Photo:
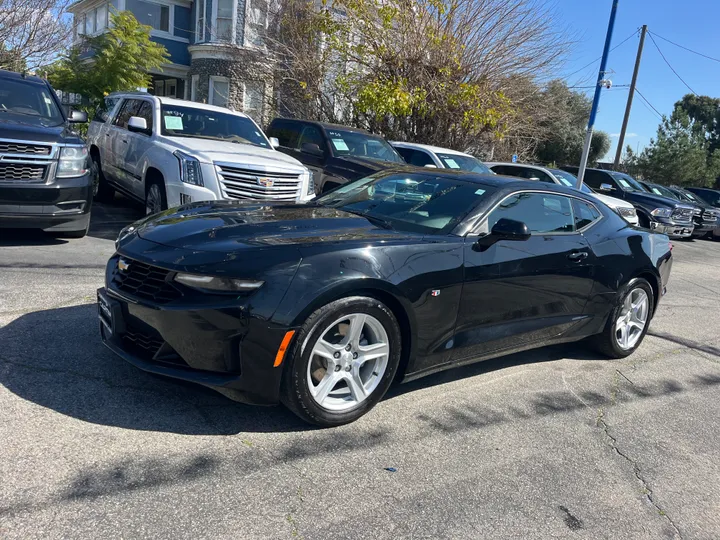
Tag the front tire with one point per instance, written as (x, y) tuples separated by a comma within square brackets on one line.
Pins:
[(155, 198), (343, 360), (102, 191), (628, 322)]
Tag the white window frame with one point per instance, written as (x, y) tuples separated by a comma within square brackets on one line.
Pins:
[(248, 5), (200, 30), (233, 29), (171, 21), (211, 91), (194, 87), (262, 98)]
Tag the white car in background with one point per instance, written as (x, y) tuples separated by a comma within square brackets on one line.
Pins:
[(423, 155), (564, 178), (166, 152)]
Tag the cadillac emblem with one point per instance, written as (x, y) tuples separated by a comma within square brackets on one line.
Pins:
[(265, 182)]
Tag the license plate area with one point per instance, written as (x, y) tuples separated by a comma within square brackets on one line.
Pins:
[(110, 314)]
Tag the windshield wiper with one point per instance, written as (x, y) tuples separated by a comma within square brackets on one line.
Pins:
[(384, 223)]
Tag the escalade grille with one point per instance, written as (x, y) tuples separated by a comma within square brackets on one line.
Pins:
[(239, 183), (683, 214), (9, 147), (143, 281), (21, 172)]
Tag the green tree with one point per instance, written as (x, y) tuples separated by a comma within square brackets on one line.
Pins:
[(119, 59)]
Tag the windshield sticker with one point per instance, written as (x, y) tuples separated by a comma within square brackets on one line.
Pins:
[(623, 182), (479, 192), (656, 191), (340, 145), (452, 164), (174, 122)]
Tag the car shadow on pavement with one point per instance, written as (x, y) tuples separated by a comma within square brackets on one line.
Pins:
[(108, 219), (55, 358), (28, 237)]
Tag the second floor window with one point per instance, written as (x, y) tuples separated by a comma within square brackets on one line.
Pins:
[(224, 20), (256, 23), (200, 27), (155, 15)]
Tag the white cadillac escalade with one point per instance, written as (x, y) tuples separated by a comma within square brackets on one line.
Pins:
[(165, 152)]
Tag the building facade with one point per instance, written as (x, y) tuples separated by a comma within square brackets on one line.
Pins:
[(217, 48)]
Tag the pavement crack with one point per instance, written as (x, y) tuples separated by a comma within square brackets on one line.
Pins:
[(646, 490)]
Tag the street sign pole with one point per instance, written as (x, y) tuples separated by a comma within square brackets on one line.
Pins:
[(596, 98)]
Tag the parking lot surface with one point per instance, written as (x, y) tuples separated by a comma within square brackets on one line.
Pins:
[(556, 442)]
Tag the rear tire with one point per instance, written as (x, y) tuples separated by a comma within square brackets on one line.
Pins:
[(342, 361), (103, 192), (624, 320)]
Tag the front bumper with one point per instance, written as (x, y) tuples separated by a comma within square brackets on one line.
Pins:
[(672, 229), (705, 227), (63, 205), (218, 346)]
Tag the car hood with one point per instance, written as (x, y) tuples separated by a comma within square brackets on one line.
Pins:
[(612, 202), (12, 127), (232, 225), (211, 151), (650, 198)]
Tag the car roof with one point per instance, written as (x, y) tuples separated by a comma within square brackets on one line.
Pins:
[(178, 102), (324, 125), (526, 165), (5, 74), (435, 149)]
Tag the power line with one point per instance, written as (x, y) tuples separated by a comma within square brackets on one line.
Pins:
[(660, 115), (600, 57), (672, 68), (593, 86), (686, 48)]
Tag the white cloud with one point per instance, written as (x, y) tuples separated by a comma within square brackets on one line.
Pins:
[(627, 135)]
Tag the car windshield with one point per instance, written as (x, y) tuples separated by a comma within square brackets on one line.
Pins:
[(663, 191), (569, 180), (364, 145), (689, 197), (415, 202), (464, 163), (29, 103), (178, 121), (628, 183)]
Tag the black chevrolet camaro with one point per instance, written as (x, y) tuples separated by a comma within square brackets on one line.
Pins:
[(392, 277)]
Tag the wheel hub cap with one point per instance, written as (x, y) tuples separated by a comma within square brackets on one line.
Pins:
[(633, 318)]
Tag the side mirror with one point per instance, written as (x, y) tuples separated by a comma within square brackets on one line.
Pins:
[(430, 166), (274, 142), (504, 229), (311, 149), (606, 187), (536, 178), (137, 125), (78, 117)]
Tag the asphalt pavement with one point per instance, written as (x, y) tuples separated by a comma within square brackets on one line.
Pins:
[(553, 443)]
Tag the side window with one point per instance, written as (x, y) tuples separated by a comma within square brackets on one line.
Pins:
[(419, 158), (530, 174), (129, 108), (541, 212), (146, 111), (312, 135), (406, 153), (287, 133), (585, 213), (502, 170), (595, 178)]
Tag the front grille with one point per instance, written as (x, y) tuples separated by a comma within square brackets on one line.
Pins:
[(10, 147), (240, 183), (146, 344), (709, 216), (683, 214), (146, 282), (21, 172)]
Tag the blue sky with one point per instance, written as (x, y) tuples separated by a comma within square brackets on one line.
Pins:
[(691, 23)]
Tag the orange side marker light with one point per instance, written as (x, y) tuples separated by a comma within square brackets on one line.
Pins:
[(280, 356)]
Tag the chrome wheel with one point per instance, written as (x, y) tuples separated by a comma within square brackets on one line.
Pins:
[(633, 317), (153, 200), (348, 361)]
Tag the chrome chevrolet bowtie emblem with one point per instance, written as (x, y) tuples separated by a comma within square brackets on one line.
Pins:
[(265, 182), (123, 265)]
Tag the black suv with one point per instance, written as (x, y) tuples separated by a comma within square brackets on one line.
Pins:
[(335, 154), (45, 181), (711, 197), (660, 214)]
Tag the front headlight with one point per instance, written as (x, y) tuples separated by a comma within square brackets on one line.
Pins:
[(212, 283), (124, 233), (627, 212), (190, 171), (311, 183), (662, 212), (73, 162)]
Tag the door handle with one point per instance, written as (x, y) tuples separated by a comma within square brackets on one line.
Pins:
[(578, 255), (107, 134), (124, 140)]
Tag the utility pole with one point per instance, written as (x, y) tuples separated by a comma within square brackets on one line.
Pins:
[(596, 99), (621, 141)]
